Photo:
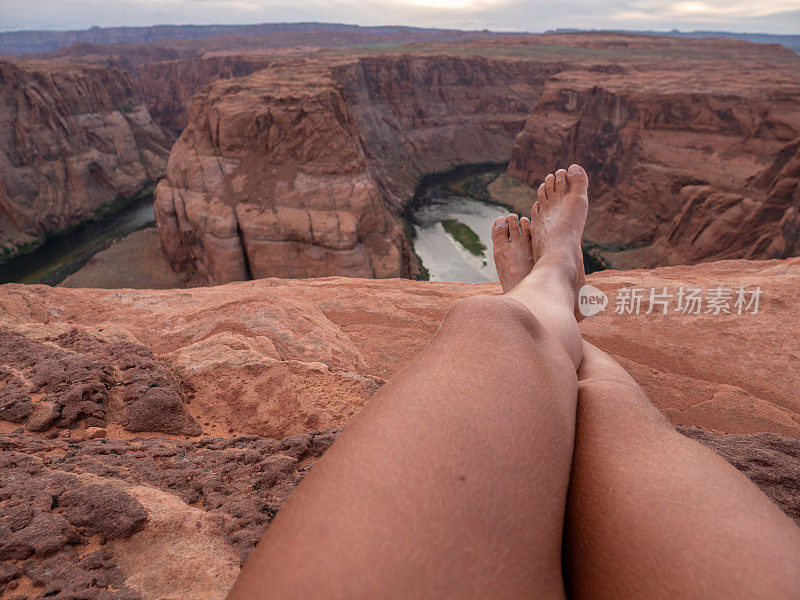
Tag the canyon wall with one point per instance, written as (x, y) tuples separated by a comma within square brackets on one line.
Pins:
[(420, 115), (690, 158), (73, 138), (683, 168), (300, 170), (168, 86)]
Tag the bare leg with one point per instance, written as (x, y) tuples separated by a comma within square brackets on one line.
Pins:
[(451, 483), (556, 227), (653, 514)]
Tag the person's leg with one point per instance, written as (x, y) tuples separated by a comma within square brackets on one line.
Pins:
[(654, 514), (451, 482), (556, 227)]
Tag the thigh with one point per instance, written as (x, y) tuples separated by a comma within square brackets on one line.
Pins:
[(451, 483)]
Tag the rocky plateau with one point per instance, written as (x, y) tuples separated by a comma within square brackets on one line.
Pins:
[(148, 437)]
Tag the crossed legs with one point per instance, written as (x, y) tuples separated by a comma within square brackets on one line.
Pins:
[(458, 478), (452, 481)]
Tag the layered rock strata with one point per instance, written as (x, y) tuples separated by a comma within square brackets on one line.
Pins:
[(684, 169), (74, 138), (300, 170)]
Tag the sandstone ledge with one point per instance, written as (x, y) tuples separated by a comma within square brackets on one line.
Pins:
[(268, 371), (278, 357)]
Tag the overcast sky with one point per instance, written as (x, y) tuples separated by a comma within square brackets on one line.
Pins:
[(770, 16)]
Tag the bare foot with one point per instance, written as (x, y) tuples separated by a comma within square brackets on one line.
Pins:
[(550, 290), (557, 221), (513, 253)]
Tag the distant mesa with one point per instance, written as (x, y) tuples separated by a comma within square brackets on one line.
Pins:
[(26, 42)]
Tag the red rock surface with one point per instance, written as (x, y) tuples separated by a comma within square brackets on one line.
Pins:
[(269, 370), (73, 137), (278, 357)]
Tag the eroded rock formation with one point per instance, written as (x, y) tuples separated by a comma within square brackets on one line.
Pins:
[(279, 357), (73, 138), (299, 170), (270, 370), (684, 168), (688, 162)]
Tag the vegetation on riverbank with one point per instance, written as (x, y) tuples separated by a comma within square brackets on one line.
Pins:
[(120, 202), (107, 209), (476, 185), (464, 236)]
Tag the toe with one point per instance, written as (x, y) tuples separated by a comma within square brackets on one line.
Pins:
[(536, 207), (578, 180), (550, 186), (513, 226), (541, 195), (500, 233), (525, 229), (561, 182)]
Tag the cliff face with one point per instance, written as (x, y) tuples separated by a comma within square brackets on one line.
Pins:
[(269, 371), (168, 86), (761, 221), (299, 170), (73, 138), (682, 171), (419, 115), (688, 161)]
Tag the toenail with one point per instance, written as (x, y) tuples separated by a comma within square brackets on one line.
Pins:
[(501, 222), (574, 170)]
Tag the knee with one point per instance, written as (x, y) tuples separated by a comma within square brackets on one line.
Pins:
[(493, 316)]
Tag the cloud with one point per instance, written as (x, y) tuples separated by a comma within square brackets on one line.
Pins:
[(718, 9), (770, 16)]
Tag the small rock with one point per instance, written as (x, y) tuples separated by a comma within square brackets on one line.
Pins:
[(103, 509), (9, 572), (43, 416), (93, 433)]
